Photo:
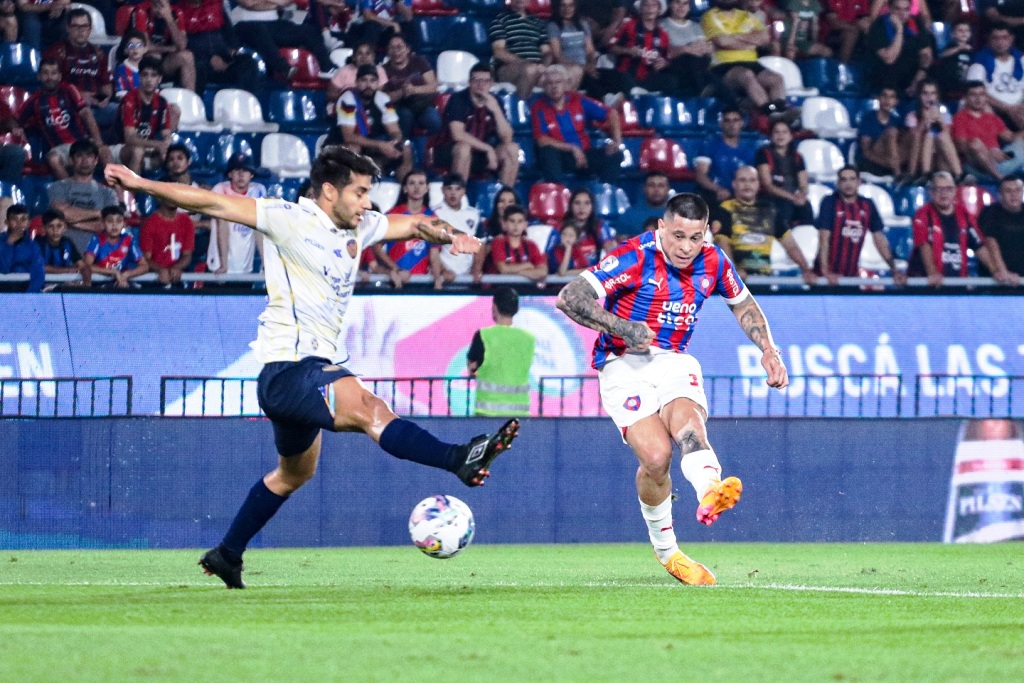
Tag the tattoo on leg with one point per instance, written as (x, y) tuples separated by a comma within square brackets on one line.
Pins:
[(689, 441)]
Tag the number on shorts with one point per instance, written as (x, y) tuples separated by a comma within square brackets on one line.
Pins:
[(694, 382)]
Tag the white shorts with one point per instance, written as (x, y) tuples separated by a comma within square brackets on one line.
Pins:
[(635, 386)]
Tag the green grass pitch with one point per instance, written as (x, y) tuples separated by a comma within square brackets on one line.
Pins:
[(825, 612)]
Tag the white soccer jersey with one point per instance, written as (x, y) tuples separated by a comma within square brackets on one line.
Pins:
[(311, 269), (241, 241), (464, 220)]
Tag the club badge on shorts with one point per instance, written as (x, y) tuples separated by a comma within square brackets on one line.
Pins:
[(632, 403)]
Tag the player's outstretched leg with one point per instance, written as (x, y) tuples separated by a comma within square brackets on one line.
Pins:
[(475, 457), (719, 497)]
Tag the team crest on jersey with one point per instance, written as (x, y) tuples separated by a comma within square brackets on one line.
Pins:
[(705, 285), (609, 264), (353, 248), (632, 403), (315, 344)]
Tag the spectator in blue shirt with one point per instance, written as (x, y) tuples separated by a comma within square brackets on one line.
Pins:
[(18, 253), (878, 138), (60, 255), (720, 156), (656, 195)]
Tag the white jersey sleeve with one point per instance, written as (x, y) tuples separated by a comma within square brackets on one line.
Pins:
[(372, 228)]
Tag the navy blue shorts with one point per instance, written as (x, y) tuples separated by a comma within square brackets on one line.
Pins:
[(292, 394)]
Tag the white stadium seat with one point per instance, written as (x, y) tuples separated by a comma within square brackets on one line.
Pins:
[(886, 208), (823, 160), (285, 155), (870, 259), (791, 76), (340, 55), (815, 193), (539, 234), (99, 26), (453, 69), (827, 117), (385, 194), (806, 237), (193, 111), (241, 112)]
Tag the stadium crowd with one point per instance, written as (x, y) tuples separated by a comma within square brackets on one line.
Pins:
[(553, 130)]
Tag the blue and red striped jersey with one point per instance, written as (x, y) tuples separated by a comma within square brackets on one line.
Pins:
[(639, 284)]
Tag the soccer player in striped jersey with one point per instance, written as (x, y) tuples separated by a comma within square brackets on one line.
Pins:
[(312, 255), (653, 287)]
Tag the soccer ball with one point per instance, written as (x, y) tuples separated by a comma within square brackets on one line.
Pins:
[(441, 526)]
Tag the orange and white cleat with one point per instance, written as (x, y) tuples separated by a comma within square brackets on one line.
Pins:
[(720, 496), (688, 571)]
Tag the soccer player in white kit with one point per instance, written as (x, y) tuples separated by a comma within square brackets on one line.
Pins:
[(312, 260), (653, 287)]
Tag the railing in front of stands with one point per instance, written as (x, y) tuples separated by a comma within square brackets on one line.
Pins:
[(852, 396), (66, 397)]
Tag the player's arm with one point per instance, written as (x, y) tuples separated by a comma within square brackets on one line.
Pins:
[(430, 229), (192, 199), (753, 323), (578, 300)]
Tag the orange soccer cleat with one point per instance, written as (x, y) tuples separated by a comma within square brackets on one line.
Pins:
[(689, 572), (720, 496)]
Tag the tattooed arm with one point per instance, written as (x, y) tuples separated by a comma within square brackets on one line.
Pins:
[(578, 300), (755, 326), (430, 229)]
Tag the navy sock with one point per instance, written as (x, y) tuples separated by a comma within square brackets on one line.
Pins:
[(407, 440), (260, 505)]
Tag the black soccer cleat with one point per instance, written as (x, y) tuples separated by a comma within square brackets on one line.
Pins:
[(214, 563), (481, 451)]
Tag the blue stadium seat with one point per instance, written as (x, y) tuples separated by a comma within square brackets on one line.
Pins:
[(483, 194), (610, 202), (433, 35), (666, 115), (818, 72), (13, 191), (228, 144), (631, 156), (706, 111), (19, 64), (909, 199), (527, 156), (901, 241), (199, 145), (849, 81), (517, 112), (298, 111), (486, 9), (940, 32), (469, 34)]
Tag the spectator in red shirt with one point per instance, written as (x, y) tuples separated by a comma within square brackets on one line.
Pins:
[(984, 142), (642, 48), (164, 27), (512, 253), (848, 21), (85, 66), (567, 256), (145, 121), (215, 47), (168, 241), (60, 115)]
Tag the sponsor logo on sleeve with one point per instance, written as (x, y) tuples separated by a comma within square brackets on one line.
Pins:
[(609, 264)]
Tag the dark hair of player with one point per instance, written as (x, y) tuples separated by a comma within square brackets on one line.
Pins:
[(686, 205), (506, 300), (336, 164)]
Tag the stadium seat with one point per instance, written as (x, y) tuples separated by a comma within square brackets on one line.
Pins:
[(909, 199), (11, 99), (226, 146), (99, 26), (666, 115), (665, 156), (870, 258), (193, 111), (12, 191), (285, 155), (818, 73), (483, 196), (815, 193), (340, 55), (435, 195), (706, 112), (433, 8), (539, 8), (974, 198), (629, 120), (257, 58), (453, 69), (470, 34), (240, 111), (806, 237), (486, 9), (549, 202), (849, 81), (884, 204), (822, 158), (791, 76), (940, 32), (385, 194), (319, 144), (307, 68), (298, 111), (433, 35), (539, 234), (517, 112), (827, 117), (610, 202), (19, 64)]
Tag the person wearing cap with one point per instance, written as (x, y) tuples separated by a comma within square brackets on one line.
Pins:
[(233, 246), (115, 251), (444, 265), (80, 198), (369, 124)]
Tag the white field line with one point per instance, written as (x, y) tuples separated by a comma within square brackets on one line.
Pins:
[(545, 584)]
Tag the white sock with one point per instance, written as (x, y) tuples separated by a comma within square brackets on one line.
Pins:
[(701, 469), (659, 528)]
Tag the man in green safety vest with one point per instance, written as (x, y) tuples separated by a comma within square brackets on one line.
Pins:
[(500, 358)]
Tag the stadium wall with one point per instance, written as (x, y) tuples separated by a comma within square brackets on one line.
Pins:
[(169, 483)]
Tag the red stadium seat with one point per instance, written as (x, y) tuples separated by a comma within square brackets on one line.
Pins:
[(307, 74), (665, 156), (630, 121), (11, 99), (433, 8), (549, 202), (31, 167), (538, 8), (974, 198)]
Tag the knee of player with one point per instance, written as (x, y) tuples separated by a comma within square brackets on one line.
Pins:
[(691, 437), (655, 460)]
